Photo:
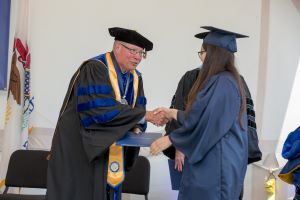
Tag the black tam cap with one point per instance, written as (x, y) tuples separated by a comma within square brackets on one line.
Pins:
[(219, 37), (131, 36)]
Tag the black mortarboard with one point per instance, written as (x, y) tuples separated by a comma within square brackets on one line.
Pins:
[(219, 37), (131, 36)]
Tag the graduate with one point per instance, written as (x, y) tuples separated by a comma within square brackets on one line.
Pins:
[(105, 99), (213, 133), (179, 101)]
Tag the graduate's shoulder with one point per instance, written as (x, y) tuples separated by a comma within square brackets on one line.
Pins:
[(226, 77), (226, 80)]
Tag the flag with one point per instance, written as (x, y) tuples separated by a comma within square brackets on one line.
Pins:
[(19, 100), (4, 38)]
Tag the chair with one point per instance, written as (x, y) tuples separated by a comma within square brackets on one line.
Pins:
[(26, 169), (137, 180)]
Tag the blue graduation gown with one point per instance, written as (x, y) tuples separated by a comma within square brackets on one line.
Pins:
[(213, 142)]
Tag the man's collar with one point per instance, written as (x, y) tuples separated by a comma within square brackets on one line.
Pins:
[(116, 64)]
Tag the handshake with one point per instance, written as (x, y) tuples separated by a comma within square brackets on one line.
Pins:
[(160, 116)]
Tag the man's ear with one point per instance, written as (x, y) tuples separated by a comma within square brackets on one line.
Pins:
[(116, 47)]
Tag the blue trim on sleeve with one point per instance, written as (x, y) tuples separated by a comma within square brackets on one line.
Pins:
[(141, 100), (100, 119), (95, 104), (94, 89)]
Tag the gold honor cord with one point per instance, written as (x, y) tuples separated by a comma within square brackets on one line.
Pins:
[(116, 175), (135, 86)]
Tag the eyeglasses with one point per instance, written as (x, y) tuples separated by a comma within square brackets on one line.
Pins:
[(134, 52), (200, 53)]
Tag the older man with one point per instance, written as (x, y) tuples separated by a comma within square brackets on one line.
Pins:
[(105, 99)]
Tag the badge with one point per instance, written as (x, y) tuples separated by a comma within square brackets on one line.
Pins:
[(124, 101), (114, 166)]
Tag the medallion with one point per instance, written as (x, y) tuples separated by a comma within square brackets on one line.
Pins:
[(124, 101)]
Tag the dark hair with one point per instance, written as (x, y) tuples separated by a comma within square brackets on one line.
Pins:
[(217, 60)]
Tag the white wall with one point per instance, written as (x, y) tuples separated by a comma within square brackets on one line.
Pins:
[(292, 115), (283, 57)]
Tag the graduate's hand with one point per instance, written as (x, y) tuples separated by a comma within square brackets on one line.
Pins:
[(179, 160), (156, 119), (168, 113), (160, 144)]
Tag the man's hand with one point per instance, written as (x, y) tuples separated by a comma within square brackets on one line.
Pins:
[(168, 113), (179, 160), (159, 145), (158, 119)]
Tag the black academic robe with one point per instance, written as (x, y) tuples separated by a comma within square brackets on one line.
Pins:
[(90, 121), (214, 144), (179, 102)]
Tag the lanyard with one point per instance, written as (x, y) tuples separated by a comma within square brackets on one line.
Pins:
[(123, 99)]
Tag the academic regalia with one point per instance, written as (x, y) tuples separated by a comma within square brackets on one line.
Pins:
[(214, 144), (254, 153), (179, 102), (90, 121)]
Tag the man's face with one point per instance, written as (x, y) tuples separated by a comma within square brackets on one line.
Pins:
[(128, 55)]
